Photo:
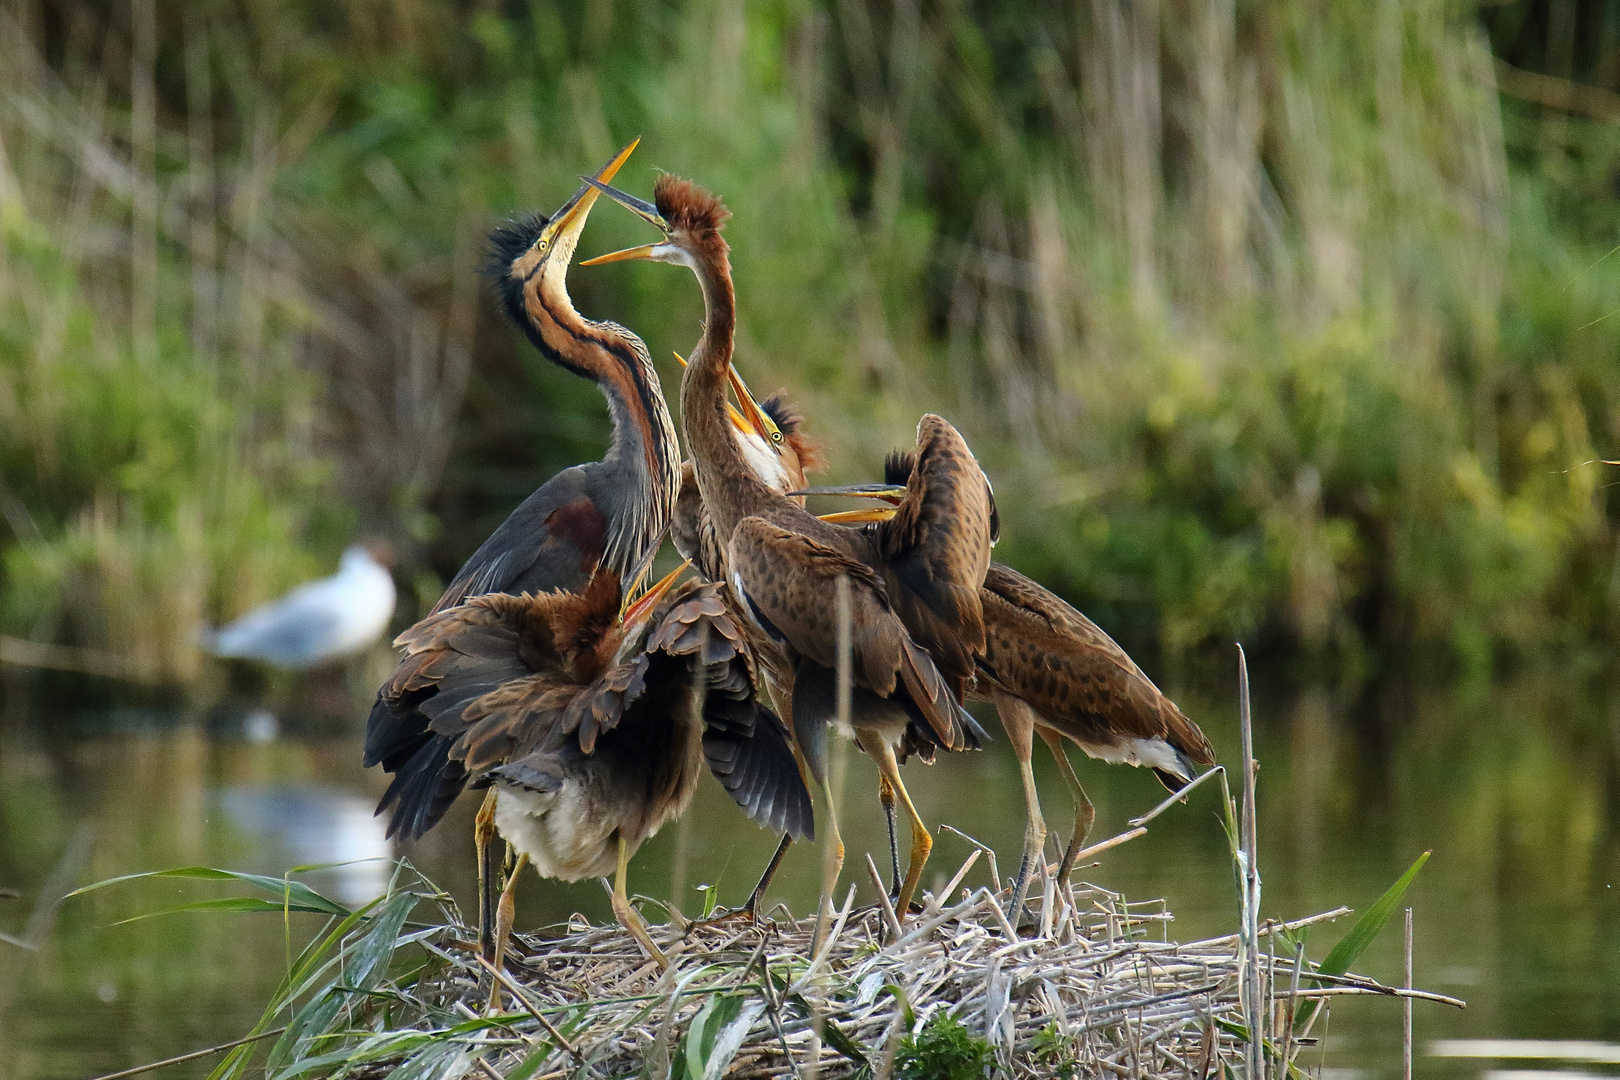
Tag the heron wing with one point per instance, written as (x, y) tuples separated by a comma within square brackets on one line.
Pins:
[(553, 540), (936, 549), (479, 682), (1073, 674), (789, 583)]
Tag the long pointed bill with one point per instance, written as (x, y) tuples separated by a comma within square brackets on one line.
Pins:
[(581, 201), (642, 209), (764, 425), (642, 608), (890, 493), (738, 420), (853, 517)]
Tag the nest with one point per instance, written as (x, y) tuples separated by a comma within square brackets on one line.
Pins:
[(1090, 988)]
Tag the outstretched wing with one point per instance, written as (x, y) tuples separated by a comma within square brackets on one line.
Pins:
[(464, 697), (1075, 676), (936, 549), (746, 745), (789, 585)]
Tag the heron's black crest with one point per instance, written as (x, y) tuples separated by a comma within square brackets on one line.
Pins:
[(790, 421), (898, 466), (506, 245)]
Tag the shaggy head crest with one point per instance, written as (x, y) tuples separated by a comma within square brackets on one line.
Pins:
[(790, 421), (686, 206)]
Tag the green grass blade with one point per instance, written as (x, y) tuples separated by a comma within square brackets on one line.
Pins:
[(1353, 944), (294, 892), (227, 903)]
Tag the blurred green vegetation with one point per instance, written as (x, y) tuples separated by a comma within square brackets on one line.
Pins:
[(1269, 320)]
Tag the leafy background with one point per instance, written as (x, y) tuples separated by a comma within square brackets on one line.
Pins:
[(1287, 321)]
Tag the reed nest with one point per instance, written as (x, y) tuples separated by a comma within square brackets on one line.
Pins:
[(1089, 986)]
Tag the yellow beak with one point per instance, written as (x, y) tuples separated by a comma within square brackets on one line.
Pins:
[(642, 608), (761, 426), (642, 209), (573, 213), (851, 517)]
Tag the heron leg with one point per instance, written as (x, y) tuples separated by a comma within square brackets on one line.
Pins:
[(628, 917), (1084, 813), (832, 864), (1019, 720), (886, 797), (505, 915), (758, 895), (921, 841), (483, 837)]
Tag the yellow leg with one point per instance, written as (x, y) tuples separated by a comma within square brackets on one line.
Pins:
[(1084, 813), (505, 914), (627, 915), (483, 838), (832, 864), (1019, 720), (921, 842)]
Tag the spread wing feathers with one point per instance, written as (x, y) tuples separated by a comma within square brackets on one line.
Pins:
[(937, 547), (553, 540), (479, 683), (789, 582), (1072, 673)]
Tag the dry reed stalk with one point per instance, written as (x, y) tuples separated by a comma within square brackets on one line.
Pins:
[(1108, 996)]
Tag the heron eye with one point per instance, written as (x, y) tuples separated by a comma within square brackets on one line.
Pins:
[(776, 436), (542, 245)]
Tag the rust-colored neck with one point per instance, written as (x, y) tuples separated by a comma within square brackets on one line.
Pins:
[(730, 489)]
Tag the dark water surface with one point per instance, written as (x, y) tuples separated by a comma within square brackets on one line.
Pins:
[(1513, 787)]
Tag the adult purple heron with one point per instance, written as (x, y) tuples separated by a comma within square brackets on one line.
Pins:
[(1047, 668), (914, 586), (609, 514)]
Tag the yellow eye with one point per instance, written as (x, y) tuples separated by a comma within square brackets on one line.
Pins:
[(542, 245), (776, 436)]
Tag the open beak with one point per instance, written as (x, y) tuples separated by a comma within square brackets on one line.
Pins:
[(642, 608), (642, 209), (893, 494), (571, 217), (751, 419), (852, 517)]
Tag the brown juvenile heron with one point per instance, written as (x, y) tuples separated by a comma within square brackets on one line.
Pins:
[(916, 584), (1051, 671), (591, 727), (1047, 668)]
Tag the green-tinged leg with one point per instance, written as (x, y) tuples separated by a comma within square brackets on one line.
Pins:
[(505, 914), (1019, 720), (483, 841), (1084, 813)]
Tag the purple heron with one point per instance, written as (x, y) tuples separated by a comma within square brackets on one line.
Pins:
[(609, 514), (590, 726), (1047, 668), (915, 624)]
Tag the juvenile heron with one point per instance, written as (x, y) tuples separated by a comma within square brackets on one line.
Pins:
[(782, 563), (320, 621), (1047, 668), (591, 727)]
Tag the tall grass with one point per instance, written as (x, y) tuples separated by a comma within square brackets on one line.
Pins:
[(1268, 320)]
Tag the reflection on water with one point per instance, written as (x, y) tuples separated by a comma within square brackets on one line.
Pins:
[(1513, 787), (315, 826)]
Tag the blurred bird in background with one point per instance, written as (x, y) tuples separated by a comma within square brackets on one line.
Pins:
[(330, 619)]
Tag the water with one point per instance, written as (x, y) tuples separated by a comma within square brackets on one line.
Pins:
[(1513, 787)]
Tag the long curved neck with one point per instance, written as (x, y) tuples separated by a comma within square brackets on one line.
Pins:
[(730, 489), (643, 461)]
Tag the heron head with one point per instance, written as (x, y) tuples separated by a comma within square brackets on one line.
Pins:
[(689, 217), (542, 242)]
